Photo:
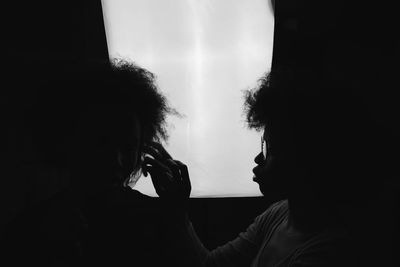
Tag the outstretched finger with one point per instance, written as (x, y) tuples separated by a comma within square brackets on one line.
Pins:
[(155, 163), (151, 151), (161, 150), (175, 169), (162, 171), (185, 176)]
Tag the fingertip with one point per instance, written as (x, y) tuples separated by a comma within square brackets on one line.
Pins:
[(182, 165), (147, 158), (179, 163)]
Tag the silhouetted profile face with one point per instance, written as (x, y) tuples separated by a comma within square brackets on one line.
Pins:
[(109, 148), (129, 149), (273, 167)]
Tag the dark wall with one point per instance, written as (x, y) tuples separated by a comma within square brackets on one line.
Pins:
[(370, 52), (38, 36), (54, 31)]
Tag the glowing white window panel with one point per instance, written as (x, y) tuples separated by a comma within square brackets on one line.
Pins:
[(204, 54)]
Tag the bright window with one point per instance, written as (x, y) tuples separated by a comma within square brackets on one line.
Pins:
[(204, 53)]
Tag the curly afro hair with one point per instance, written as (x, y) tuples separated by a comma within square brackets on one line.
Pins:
[(117, 90), (145, 99), (266, 102)]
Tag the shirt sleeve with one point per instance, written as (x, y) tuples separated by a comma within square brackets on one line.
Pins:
[(238, 252), (243, 250)]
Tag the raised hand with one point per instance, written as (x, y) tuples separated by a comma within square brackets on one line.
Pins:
[(170, 177)]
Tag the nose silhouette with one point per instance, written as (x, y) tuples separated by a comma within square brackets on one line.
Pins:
[(259, 158)]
